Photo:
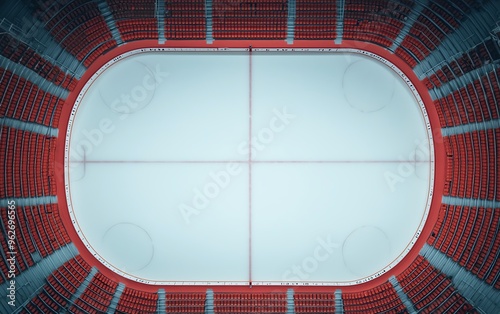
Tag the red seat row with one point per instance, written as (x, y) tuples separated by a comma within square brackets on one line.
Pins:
[(475, 102), (96, 297), (47, 301), (315, 20), (137, 302), (177, 302), (475, 164), (60, 287), (475, 58), (381, 39), (19, 52), (185, 19), (184, 29), (45, 223), (25, 101), (468, 235), (314, 302), (135, 20), (256, 20), (406, 56), (24, 244), (38, 229), (250, 303), (416, 47), (378, 22), (138, 29), (132, 9), (183, 11), (27, 170), (429, 290), (187, 5), (433, 24), (381, 299), (83, 17)]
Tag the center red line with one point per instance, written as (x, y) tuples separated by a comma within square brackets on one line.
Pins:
[(85, 161), (250, 166), (159, 161)]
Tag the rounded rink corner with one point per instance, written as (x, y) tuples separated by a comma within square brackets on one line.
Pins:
[(319, 185)]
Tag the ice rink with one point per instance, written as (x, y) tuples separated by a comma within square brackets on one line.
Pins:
[(233, 167)]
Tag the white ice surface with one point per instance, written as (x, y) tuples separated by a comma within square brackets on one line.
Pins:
[(212, 246), (293, 208), (340, 169), (326, 126), (198, 110)]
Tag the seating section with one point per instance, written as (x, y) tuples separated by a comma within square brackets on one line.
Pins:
[(21, 99), (185, 19), (24, 245), (28, 167), (470, 236), (439, 18), (250, 303), (484, 53), (264, 19), (315, 19), (314, 302), (61, 286), (378, 21), (46, 228), (71, 23), (476, 102), (381, 299), (19, 52), (137, 302), (135, 19), (97, 296), (38, 229), (473, 165), (184, 303), (429, 290)]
